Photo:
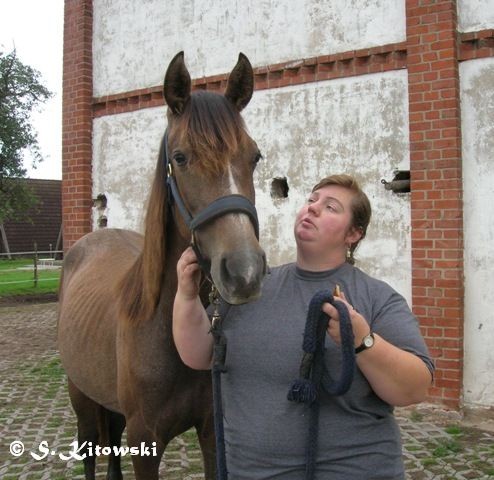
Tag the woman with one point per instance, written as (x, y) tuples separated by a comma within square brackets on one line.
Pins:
[(265, 433)]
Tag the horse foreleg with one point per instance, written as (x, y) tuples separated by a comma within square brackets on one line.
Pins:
[(116, 426), (88, 417), (146, 466), (205, 433)]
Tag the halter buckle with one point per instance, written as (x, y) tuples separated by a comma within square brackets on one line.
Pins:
[(214, 299)]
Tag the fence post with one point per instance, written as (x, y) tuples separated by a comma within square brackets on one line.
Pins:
[(5, 241), (35, 264)]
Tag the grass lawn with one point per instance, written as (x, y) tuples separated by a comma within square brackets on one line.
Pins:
[(21, 282)]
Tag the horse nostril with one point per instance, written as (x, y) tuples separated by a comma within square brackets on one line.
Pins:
[(225, 275), (234, 273)]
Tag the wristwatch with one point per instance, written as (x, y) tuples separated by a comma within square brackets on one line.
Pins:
[(367, 342)]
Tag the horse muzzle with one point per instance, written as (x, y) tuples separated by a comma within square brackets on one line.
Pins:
[(238, 275)]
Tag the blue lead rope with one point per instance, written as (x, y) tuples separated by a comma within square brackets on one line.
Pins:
[(313, 370), (219, 354)]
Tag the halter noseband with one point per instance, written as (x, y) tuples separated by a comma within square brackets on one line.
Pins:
[(217, 208)]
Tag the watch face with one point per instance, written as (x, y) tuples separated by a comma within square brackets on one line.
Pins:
[(368, 341)]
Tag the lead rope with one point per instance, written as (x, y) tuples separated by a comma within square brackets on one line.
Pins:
[(313, 372), (219, 356)]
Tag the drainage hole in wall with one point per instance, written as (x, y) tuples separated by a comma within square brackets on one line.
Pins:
[(100, 201), (102, 222), (279, 187)]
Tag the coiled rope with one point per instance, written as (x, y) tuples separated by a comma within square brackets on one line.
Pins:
[(313, 371)]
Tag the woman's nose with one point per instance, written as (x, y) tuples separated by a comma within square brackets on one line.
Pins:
[(313, 208)]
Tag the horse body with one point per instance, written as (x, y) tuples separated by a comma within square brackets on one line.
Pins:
[(88, 311), (117, 290)]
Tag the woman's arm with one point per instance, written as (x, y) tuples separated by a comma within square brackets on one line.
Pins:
[(398, 377), (190, 321)]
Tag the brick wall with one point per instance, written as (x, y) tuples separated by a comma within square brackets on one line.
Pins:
[(436, 188), (77, 120), (431, 54)]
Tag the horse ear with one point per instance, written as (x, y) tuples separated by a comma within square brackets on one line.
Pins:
[(177, 84), (240, 83)]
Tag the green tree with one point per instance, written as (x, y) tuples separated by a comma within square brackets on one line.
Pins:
[(21, 91)]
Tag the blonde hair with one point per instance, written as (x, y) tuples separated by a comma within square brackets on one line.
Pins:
[(360, 206)]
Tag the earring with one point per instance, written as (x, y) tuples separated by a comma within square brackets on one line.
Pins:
[(348, 254)]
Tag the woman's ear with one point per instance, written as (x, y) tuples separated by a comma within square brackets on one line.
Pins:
[(353, 235)]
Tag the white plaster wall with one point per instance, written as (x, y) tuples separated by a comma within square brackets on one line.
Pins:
[(357, 125), (133, 42), (477, 112), (125, 151), (475, 15)]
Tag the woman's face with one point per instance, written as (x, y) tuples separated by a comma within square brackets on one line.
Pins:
[(324, 222)]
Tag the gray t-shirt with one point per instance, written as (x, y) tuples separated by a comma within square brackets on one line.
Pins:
[(265, 433)]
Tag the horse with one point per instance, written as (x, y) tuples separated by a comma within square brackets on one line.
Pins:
[(117, 286)]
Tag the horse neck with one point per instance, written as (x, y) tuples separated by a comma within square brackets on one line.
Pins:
[(176, 245)]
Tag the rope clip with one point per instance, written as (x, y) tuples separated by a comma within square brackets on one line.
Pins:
[(214, 299)]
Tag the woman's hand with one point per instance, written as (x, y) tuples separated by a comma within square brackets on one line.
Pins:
[(360, 326), (398, 377), (189, 275)]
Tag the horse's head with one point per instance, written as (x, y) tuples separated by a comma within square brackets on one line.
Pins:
[(211, 156)]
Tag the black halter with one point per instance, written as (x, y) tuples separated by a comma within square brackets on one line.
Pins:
[(221, 206)]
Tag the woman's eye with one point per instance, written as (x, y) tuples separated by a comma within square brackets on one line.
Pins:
[(179, 159), (333, 208)]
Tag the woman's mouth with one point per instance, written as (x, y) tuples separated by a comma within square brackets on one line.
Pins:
[(307, 222)]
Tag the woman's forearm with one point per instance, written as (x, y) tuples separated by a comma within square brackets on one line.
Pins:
[(191, 332), (396, 376)]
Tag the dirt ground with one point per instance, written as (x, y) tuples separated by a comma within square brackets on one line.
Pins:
[(18, 300)]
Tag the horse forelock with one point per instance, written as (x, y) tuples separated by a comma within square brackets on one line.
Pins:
[(213, 130)]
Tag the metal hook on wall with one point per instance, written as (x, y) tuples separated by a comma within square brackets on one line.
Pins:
[(400, 182)]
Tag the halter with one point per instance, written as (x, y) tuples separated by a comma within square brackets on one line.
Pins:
[(233, 203)]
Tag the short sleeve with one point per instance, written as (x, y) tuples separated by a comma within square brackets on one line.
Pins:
[(394, 321)]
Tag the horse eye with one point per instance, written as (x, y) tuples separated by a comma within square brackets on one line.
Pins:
[(180, 159), (258, 157)]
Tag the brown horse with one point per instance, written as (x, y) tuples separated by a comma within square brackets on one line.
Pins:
[(117, 289)]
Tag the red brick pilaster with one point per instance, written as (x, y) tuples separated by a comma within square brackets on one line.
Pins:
[(77, 120), (436, 185)]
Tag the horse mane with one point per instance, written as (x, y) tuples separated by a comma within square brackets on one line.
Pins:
[(214, 130), (140, 287)]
